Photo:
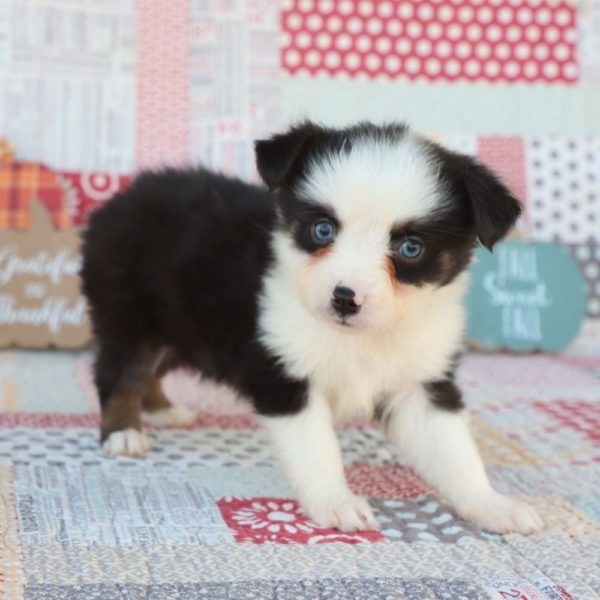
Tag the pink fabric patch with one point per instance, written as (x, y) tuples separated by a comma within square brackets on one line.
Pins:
[(260, 520), (163, 39), (578, 415), (506, 156), (542, 372), (491, 40), (391, 481)]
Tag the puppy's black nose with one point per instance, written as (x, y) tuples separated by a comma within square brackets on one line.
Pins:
[(343, 301)]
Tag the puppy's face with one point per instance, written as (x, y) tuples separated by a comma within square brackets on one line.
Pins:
[(374, 219)]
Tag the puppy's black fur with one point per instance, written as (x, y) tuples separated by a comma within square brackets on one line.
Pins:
[(173, 266), (176, 262)]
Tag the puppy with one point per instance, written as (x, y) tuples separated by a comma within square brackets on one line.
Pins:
[(335, 294)]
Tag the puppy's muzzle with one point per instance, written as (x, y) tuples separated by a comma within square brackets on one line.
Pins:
[(344, 301)]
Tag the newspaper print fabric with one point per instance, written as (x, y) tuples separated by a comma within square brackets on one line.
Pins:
[(208, 514)]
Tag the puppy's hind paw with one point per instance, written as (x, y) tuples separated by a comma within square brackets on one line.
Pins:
[(127, 442)]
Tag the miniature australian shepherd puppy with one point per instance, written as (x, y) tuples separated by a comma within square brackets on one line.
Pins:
[(336, 293)]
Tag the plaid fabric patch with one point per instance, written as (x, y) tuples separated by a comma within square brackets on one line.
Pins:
[(6, 151), (22, 182)]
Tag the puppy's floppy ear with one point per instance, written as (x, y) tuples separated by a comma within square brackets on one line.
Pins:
[(276, 156), (495, 209), (493, 206)]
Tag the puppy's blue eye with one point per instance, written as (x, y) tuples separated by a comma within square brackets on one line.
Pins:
[(411, 249), (323, 231)]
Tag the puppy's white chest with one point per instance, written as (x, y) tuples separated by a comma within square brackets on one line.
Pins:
[(354, 368), (356, 373)]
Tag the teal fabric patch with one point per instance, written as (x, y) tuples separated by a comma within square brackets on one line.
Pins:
[(525, 297)]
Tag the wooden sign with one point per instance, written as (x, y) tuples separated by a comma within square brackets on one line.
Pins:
[(40, 299), (524, 297)]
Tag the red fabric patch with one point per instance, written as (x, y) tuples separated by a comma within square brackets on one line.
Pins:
[(88, 190), (60, 420), (48, 420), (260, 520), (491, 40), (390, 481), (579, 415)]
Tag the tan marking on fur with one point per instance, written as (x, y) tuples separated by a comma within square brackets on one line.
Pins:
[(154, 399), (122, 411), (446, 260), (391, 269), (321, 252), (164, 362), (140, 389)]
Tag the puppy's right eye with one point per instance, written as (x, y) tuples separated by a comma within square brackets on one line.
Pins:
[(411, 249), (323, 231)]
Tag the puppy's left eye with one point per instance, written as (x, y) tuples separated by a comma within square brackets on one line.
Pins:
[(323, 231), (410, 249)]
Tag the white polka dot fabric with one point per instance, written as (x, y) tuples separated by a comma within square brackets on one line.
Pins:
[(471, 40), (588, 257), (564, 189)]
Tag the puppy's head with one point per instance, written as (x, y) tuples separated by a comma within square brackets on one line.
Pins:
[(372, 219)]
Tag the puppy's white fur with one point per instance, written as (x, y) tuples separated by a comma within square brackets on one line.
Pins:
[(172, 416), (126, 442), (403, 337), (439, 445), (310, 453)]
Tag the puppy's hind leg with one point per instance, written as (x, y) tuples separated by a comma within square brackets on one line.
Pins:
[(121, 379), (158, 411)]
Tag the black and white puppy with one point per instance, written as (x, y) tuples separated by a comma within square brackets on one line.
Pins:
[(336, 294)]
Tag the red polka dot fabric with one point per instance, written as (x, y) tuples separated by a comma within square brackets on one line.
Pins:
[(489, 40)]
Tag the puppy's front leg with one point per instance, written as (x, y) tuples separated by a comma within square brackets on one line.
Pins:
[(430, 428), (307, 445)]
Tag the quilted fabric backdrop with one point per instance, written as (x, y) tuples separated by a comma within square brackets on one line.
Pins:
[(98, 89), (117, 85)]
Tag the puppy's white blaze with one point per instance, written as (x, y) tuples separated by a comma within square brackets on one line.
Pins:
[(388, 182)]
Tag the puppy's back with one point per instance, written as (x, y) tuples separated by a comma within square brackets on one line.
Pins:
[(175, 252)]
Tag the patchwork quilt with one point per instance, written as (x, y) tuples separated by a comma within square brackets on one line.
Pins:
[(208, 515)]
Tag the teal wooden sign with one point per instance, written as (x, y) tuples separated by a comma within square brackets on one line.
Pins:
[(525, 296)]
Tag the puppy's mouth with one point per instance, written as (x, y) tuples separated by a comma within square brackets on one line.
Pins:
[(347, 322)]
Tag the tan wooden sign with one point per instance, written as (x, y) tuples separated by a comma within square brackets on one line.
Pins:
[(40, 298)]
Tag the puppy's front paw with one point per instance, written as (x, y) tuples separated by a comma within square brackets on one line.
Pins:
[(346, 512), (127, 442), (503, 514)]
